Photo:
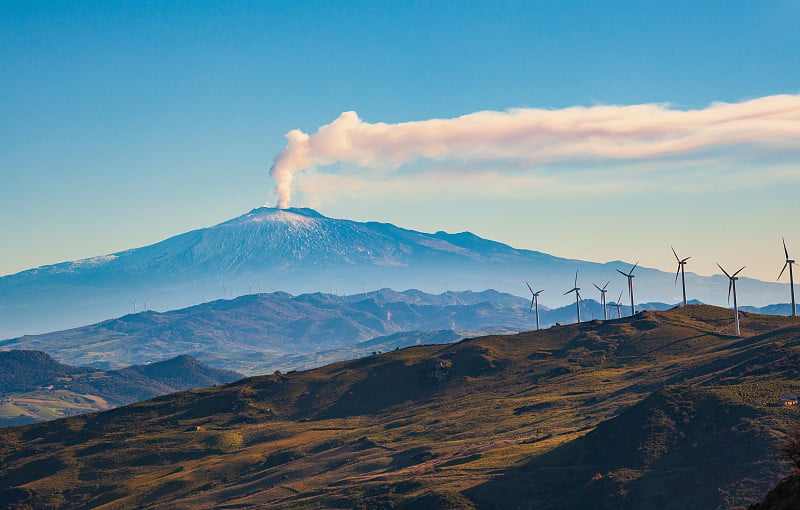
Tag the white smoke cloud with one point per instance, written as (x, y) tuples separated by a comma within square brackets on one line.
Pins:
[(528, 138)]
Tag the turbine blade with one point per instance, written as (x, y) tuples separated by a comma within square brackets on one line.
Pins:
[(567, 292), (539, 292), (576, 278), (676, 255), (785, 250), (596, 287), (739, 271), (726, 273), (634, 267), (606, 285), (677, 273), (684, 260), (730, 286), (620, 272), (532, 299), (782, 270)]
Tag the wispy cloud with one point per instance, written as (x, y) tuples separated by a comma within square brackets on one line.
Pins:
[(526, 142)]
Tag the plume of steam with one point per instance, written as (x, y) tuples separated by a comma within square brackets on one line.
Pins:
[(292, 158), (535, 137)]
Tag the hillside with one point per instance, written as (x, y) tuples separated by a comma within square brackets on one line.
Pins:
[(299, 250), (785, 496), (620, 412), (35, 387)]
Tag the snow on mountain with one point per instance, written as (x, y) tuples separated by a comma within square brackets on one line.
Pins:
[(299, 250)]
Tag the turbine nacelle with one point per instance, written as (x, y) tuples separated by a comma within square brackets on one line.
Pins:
[(535, 294), (629, 274), (731, 281)]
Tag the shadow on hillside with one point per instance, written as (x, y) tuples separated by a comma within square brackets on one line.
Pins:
[(680, 448)]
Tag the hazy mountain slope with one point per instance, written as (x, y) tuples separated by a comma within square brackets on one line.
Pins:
[(431, 426), (249, 332), (34, 387), (299, 250), (260, 333)]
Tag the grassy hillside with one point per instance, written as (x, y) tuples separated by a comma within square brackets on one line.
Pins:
[(663, 410)]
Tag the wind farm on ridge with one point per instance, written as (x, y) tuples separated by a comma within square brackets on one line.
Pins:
[(732, 278)]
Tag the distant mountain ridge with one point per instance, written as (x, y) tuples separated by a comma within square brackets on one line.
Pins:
[(260, 333), (299, 250)]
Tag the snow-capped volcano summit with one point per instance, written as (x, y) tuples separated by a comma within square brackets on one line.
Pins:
[(300, 250), (297, 216)]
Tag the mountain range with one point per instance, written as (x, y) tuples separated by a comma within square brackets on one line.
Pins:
[(299, 250), (662, 410), (35, 387), (261, 333)]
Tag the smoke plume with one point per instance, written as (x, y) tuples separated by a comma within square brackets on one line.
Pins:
[(527, 138)]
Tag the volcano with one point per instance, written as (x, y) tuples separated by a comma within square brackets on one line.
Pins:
[(299, 250)]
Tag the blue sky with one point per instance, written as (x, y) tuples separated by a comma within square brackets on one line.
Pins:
[(126, 122)]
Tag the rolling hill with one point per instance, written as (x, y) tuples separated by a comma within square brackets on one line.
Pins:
[(298, 251), (662, 410), (35, 387)]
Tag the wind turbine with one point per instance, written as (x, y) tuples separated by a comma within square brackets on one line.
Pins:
[(535, 302), (789, 263), (577, 292), (618, 306), (603, 298), (629, 276), (681, 263), (732, 287)]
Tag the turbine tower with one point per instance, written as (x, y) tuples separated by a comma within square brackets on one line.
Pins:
[(577, 292), (629, 276), (535, 302), (603, 298), (618, 305), (681, 264), (732, 287), (789, 263)]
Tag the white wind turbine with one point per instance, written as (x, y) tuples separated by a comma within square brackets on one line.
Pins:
[(577, 292), (732, 287), (618, 306), (603, 298), (789, 262), (535, 302), (681, 264), (629, 276)]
